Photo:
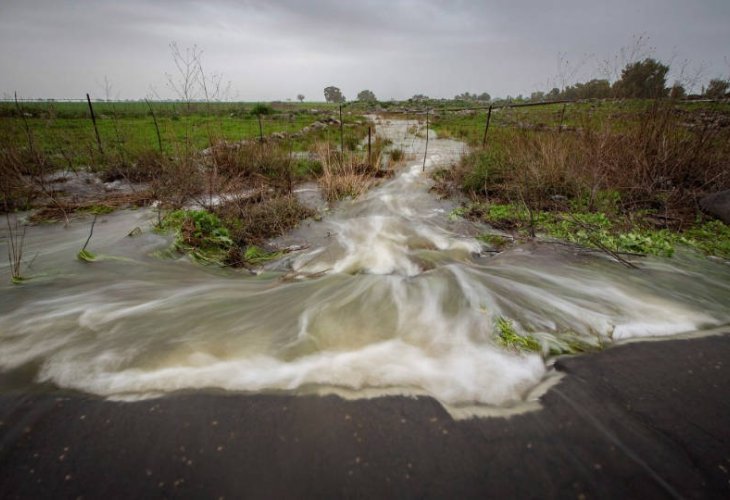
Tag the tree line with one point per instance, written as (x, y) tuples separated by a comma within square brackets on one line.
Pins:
[(644, 79)]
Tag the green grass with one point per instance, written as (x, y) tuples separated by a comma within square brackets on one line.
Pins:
[(199, 234), (603, 230), (138, 109), (64, 132), (74, 137), (508, 337), (206, 238), (86, 256), (616, 113)]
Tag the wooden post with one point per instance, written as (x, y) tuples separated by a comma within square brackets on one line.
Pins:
[(486, 127), (157, 128), (288, 157), (370, 158), (342, 137), (261, 130), (425, 151), (93, 120)]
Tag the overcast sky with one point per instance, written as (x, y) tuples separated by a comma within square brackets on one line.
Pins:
[(274, 50)]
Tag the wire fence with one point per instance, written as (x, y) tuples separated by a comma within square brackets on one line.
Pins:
[(167, 121)]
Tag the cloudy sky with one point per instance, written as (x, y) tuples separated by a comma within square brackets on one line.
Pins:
[(274, 50)]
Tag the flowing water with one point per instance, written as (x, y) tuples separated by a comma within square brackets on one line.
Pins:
[(391, 295)]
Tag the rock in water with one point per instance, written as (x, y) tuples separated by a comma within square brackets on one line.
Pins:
[(718, 205)]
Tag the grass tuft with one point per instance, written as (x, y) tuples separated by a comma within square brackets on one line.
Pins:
[(508, 337)]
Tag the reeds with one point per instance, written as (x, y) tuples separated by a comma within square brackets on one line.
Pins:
[(16, 242), (345, 174)]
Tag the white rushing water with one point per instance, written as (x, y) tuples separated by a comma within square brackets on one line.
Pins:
[(392, 295)]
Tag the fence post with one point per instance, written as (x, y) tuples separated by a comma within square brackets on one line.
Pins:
[(562, 115), (342, 137), (425, 151), (93, 120), (370, 158), (486, 127)]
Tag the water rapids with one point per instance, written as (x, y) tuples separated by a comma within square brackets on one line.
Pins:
[(392, 295)]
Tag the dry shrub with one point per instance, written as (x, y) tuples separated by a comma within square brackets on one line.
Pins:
[(234, 167), (343, 175), (176, 182), (655, 162), (110, 202), (16, 191), (251, 221), (145, 168)]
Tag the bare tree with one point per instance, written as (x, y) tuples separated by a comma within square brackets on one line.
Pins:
[(300, 97), (185, 82)]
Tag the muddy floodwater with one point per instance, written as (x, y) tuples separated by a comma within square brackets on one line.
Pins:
[(391, 295)]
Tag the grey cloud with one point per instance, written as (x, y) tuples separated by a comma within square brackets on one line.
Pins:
[(276, 49)]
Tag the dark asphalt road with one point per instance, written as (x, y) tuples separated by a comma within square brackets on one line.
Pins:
[(648, 420)]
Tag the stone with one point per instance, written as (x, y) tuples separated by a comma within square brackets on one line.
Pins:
[(717, 205)]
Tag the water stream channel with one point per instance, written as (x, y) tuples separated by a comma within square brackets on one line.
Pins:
[(391, 296)]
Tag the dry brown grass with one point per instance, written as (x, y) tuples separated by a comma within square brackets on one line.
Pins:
[(655, 162), (16, 191), (344, 175), (63, 209), (251, 221)]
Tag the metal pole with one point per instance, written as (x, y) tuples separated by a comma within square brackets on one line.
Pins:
[(425, 151), (562, 116), (342, 139), (370, 160), (93, 120), (486, 127)]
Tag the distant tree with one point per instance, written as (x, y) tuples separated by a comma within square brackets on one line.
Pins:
[(300, 97), (717, 88), (367, 96), (466, 96), (643, 79), (484, 96), (537, 96), (677, 91), (419, 97), (595, 89), (333, 94), (553, 94)]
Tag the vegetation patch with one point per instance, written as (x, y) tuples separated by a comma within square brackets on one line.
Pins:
[(86, 256), (508, 337), (571, 343), (601, 230), (199, 234), (233, 235), (495, 240), (252, 222)]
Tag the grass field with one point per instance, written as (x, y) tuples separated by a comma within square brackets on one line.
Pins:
[(617, 114), (64, 132)]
